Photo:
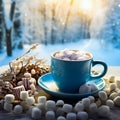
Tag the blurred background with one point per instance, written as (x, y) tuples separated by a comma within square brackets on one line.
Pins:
[(92, 25)]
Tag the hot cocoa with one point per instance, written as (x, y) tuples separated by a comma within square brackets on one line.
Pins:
[(70, 55)]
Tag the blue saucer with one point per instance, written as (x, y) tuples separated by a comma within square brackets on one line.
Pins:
[(46, 82)]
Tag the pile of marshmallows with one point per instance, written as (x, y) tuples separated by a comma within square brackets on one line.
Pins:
[(70, 55), (59, 110)]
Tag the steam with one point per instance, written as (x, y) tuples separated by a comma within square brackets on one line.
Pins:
[(99, 17)]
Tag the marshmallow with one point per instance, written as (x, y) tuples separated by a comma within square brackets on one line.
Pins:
[(8, 106), (67, 59), (118, 83), (82, 115), (79, 107), (50, 105), (27, 75), (33, 72), (24, 105), (67, 108), (41, 106), (92, 99), (36, 113), (113, 86), (113, 95), (50, 115), (72, 55), (103, 95), (24, 95), (18, 109), (93, 87), (71, 116), (67, 53), (98, 102), (86, 102), (61, 118), (9, 98), (85, 88), (33, 81), (117, 101), (42, 99), (59, 55), (30, 100), (60, 112), (93, 107), (60, 103), (32, 87), (112, 79), (110, 103), (103, 111)]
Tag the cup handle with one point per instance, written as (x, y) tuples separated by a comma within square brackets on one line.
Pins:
[(103, 72)]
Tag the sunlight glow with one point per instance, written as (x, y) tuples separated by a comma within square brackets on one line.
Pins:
[(86, 5)]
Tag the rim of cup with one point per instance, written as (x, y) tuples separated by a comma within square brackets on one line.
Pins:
[(89, 54)]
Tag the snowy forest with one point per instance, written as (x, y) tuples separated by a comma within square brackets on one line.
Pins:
[(58, 21)]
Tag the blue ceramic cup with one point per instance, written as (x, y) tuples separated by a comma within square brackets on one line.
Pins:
[(70, 75)]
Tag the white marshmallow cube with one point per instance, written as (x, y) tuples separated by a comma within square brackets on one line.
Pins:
[(36, 113), (67, 108), (86, 103), (60, 112), (50, 105), (117, 101), (93, 87), (93, 107), (71, 116), (32, 87), (92, 99), (98, 102), (67, 59), (118, 83), (61, 118), (42, 107), (85, 88), (79, 107), (110, 103), (113, 95), (103, 111), (24, 95), (59, 55), (24, 105), (27, 75), (42, 99), (9, 98), (113, 86), (33, 72), (8, 106), (67, 53), (102, 95), (50, 115), (18, 109), (74, 56), (112, 79), (59, 103), (30, 100), (82, 115)]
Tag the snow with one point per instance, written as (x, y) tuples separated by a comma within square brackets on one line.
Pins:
[(99, 50)]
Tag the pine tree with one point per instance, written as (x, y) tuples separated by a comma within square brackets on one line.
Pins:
[(1, 26)]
